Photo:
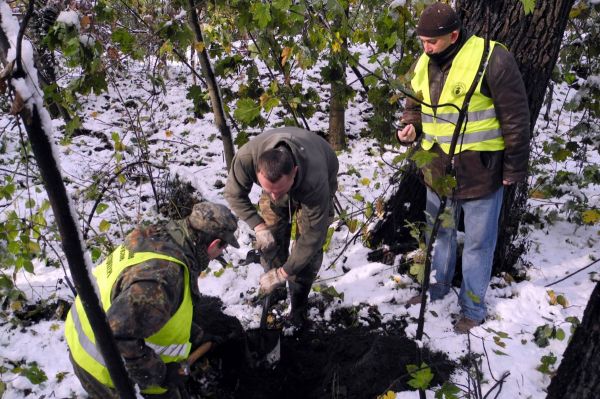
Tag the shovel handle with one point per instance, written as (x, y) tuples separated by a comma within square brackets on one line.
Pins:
[(265, 312), (199, 352)]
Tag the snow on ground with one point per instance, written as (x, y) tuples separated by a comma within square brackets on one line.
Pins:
[(190, 148)]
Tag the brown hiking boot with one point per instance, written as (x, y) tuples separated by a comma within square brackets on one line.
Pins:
[(464, 325), (415, 300)]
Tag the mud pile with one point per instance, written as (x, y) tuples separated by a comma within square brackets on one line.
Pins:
[(340, 360)]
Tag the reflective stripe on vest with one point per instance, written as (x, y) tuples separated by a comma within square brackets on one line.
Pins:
[(482, 131), (171, 342)]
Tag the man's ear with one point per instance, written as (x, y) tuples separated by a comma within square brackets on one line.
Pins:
[(454, 36), (214, 245)]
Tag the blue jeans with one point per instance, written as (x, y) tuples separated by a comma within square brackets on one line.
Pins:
[(481, 231)]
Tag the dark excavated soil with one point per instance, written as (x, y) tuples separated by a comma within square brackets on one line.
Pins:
[(339, 360)]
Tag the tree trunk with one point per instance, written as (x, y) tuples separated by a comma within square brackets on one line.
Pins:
[(337, 115), (535, 41), (36, 121), (577, 376), (213, 88), (337, 101)]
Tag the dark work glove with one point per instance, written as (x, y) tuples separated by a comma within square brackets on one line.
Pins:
[(177, 374)]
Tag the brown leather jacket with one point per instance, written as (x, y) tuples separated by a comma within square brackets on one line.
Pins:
[(479, 173)]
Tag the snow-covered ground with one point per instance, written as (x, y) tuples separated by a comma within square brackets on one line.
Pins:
[(189, 148)]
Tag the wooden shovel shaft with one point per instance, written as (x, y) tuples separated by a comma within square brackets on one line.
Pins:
[(199, 352)]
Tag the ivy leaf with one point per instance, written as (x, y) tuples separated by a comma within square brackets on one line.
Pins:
[(247, 111)]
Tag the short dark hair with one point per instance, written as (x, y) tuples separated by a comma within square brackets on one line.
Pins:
[(275, 163)]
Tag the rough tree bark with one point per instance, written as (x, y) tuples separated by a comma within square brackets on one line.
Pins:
[(577, 376), (213, 88), (535, 41), (337, 114)]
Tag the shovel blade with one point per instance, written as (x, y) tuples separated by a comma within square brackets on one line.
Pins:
[(264, 347)]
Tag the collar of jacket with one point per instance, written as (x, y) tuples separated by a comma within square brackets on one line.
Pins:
[(444, 59), (196, 255)]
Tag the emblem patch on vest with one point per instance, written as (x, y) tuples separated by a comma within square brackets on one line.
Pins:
[(459, 89)]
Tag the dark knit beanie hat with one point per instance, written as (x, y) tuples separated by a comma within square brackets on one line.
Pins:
[(436, 20)]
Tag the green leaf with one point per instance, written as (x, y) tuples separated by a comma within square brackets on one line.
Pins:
[(261, 14), (241, 138), (560, 334), (423, 158), (101, 208), (246, 111), (33, 373), (358, 197), (126, 41), (528, 6), (499, 352), (421, 376), (328, 292), (447, 391), (328, 239), (219, 272), (104, 225)]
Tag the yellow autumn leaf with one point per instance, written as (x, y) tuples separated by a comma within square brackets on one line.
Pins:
[(264, 98), (94, 114), (394, 98), (228, 48), (537, 194), (336, 47), (552, 296), (199, 47), (168, 133), (285, 54), (591, 216), (16, 306)]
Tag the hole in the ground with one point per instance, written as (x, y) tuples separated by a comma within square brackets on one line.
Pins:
[(340, 362)]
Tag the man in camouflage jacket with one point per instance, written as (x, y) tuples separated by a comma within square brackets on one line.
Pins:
[(146, 295)]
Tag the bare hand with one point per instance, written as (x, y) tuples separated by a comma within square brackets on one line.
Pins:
[(408, 134)]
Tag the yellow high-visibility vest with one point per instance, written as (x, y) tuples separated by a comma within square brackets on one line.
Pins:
[(171, 342), (482, 131)]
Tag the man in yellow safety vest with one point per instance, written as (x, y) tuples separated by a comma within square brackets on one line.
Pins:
[(148, 288), (492, 150)]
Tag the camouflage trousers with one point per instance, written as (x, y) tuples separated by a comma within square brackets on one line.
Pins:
[(96, 390), (278, 216)]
